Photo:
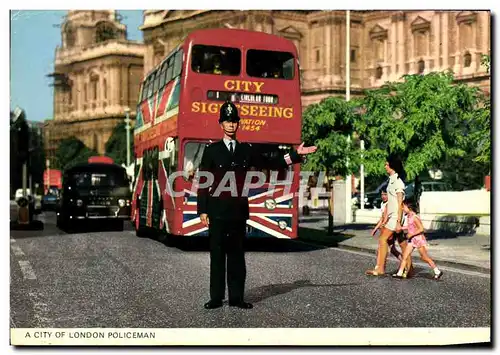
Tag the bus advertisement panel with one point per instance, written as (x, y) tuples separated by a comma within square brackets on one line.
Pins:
[(178, 116)]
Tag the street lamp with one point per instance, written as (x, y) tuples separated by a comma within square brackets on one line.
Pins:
[(127, 129)]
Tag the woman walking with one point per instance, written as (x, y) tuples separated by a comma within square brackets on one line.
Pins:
[(395, 198)]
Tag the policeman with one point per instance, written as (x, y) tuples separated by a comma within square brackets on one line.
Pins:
[(226, 214)]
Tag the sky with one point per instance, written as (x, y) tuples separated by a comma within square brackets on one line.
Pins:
[(34, 36)]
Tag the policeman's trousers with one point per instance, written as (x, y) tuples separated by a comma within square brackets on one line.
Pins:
[(226, 239)]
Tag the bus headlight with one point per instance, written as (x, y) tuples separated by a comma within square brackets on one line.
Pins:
[(270, 204), (282, 224), (79, 203), (121, 202)]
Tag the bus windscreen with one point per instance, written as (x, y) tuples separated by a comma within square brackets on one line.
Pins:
[(216, 60), (270, 64)]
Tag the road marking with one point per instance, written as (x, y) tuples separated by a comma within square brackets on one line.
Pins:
[(446, 268), (17, 250), (27, 270)]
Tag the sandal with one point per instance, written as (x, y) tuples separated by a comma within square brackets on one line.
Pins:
[(374, 273), (438, 276), (396, 276)]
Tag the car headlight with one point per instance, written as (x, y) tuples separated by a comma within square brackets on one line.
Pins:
[(270, 204), (121, 202), (282, 224), (79, 203)]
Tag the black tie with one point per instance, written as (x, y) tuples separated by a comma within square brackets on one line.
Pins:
[(231, 150)]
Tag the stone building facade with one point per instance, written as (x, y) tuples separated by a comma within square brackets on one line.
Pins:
[(97, 75), (384, 45)]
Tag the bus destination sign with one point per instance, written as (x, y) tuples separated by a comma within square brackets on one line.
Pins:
[(243, 97)]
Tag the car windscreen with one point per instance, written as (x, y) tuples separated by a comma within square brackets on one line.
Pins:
[(99, 178)]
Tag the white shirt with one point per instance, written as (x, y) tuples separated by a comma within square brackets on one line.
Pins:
[(382, 208), (395, 185), (226, 142)]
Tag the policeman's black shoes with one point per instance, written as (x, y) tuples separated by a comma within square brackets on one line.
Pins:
[(213, 304), (244, 305), (218, 304)]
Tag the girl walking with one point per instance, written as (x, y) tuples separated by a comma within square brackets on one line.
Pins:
[(417, 240)]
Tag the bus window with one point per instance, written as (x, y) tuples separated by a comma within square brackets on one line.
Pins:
[(178, 63), (193, 152), (170, 69), (271, 151), (155, 163), (150, 84), (216, 60), (157, 81), (144, 93), (163, 74), (270, 64)]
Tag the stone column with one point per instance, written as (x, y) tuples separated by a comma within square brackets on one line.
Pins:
[(393, 50), (386, 57), (445, 40), (436, 40), (485, 33), (115, 85), (339, 51), (328, 52), (474, 47), (456, 67), (401, 48)]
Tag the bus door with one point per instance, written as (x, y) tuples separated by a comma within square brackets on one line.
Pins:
[(191, 154)]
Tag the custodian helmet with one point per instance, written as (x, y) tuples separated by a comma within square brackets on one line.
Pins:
[(228, 112)]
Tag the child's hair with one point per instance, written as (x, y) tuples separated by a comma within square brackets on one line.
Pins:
[(383, 190), (410, 204)]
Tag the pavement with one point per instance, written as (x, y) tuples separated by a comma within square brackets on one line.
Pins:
[(470, 252)]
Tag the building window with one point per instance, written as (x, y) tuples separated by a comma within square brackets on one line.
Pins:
[(105, 89), (70, 37), (379, 72), (104, 32), (353, 56), (421, 66), (317, 55), (94, 81), (467, 60)]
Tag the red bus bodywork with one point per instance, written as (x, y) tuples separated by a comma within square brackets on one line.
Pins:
[(163, 130), (55, 177)]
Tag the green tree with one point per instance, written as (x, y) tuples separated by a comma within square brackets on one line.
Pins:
[(72, 151), (116, 146), (328, 125), (426, 119)]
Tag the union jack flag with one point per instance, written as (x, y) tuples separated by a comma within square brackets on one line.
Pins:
[(270, 214)]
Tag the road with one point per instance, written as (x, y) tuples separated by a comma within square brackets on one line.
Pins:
[(115, 279)]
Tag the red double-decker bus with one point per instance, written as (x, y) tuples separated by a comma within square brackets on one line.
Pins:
[(178, 116)]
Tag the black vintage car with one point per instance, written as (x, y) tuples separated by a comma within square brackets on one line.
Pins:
[(94, 192)]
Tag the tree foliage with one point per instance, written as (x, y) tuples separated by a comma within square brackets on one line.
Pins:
[(429, 120), (329, 125), (72, 151), (116, 146), (425, 119)]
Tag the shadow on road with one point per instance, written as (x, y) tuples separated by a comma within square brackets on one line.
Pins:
[(258, 294), (273, 245), (33, 226)]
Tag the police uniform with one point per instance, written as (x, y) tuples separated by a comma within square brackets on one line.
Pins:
[(227, 212)]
